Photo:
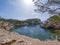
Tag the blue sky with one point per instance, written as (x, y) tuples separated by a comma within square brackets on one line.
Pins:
[(16, 9)]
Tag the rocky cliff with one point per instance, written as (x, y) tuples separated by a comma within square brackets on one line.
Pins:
[(52, 23), (9, 24), (12, 38)]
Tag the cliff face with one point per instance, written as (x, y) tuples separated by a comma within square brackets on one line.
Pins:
[(12, 38), (52, 23), (9, 24), (33, 21), (6, 25)]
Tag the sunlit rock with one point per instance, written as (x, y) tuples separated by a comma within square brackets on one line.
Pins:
[(52, 23)]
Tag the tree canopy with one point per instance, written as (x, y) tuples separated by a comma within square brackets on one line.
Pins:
[(50, 6)]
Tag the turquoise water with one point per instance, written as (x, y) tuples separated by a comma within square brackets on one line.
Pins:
[(34, 31)]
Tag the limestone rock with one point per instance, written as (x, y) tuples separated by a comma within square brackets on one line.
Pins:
[(52, 23)]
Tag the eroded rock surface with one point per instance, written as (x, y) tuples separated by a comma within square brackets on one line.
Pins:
[(52, 23), (12, 38)]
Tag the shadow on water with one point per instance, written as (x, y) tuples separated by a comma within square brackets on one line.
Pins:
[(35, 31)]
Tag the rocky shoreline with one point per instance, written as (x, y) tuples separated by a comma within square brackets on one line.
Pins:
[(9, 24), (12, 38), (52, 23)]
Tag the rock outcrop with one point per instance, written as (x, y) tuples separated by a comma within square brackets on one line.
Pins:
[(33, 21), (12, 38), (52, 23), (6, 25), (9, 24)]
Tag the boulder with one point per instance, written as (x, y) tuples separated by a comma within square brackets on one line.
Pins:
[(6, 41)]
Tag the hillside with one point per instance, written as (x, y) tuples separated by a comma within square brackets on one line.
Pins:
[(9, 24), (52, 23)]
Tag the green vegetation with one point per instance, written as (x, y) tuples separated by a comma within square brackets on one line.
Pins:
[(55, 32), (52, 23), (54, 19), (9, 20), (33, 21), (21, 23), (13, 23)]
